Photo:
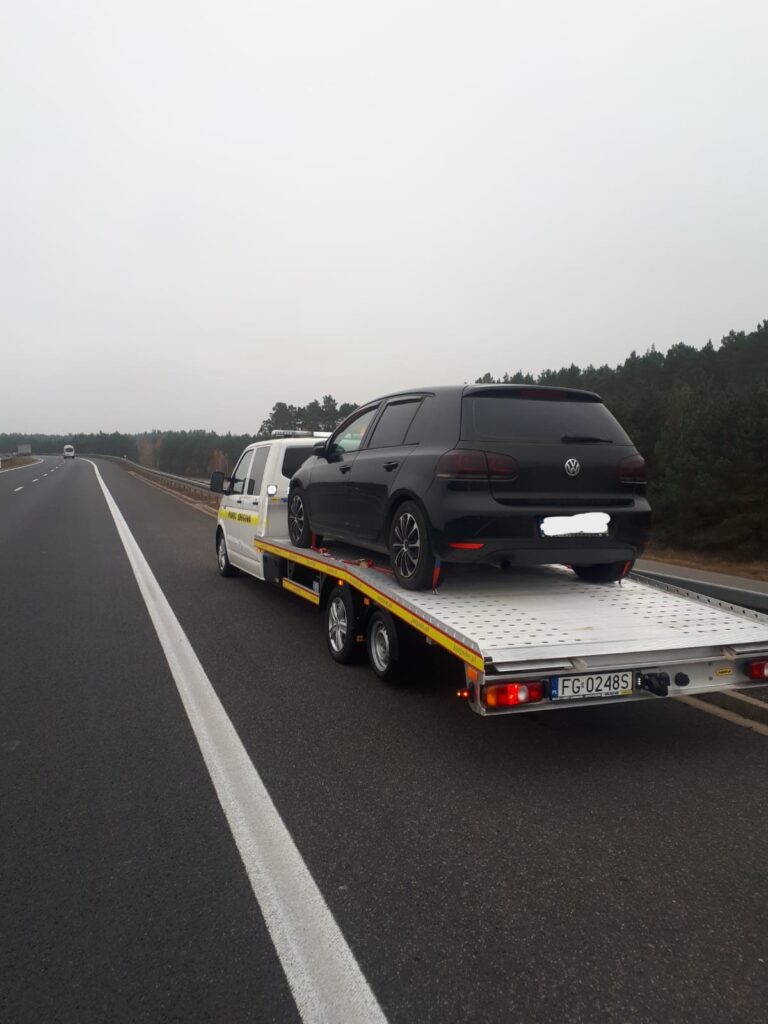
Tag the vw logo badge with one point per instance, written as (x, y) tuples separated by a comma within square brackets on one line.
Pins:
[(572, 467)]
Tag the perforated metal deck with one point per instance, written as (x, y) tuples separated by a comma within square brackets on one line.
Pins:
[(546, 613)]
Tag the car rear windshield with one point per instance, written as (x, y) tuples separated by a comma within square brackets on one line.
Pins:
[(293, 458), (509, 417)]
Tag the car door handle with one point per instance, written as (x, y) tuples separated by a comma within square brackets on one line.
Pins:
[(344, 469), (389, 466)]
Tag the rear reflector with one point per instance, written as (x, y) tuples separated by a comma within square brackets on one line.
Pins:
[(465, 545), (632, 470), (507, 695), (464, 464), (758, 670)]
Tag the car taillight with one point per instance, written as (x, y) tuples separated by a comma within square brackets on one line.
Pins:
[(507, 695), (758, 670), (465, 464), (632, 470)]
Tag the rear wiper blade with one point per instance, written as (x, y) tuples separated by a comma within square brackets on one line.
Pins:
[(585, 439)]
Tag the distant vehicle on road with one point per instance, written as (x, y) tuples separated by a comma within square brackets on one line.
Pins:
[(24, 449), (69, 451), (501, 474)]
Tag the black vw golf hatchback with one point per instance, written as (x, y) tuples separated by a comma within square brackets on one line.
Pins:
[(504, 474)]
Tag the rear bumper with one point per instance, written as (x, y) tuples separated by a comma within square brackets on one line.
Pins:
[(512, 535)]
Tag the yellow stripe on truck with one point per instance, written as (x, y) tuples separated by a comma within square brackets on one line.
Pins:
[(239, 517), (337, 572)]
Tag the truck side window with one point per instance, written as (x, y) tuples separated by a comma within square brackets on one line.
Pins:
[(256, 475), (237, 486), (293, 459)]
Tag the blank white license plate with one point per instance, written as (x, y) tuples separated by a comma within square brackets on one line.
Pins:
[(586, 524), (599, 684)]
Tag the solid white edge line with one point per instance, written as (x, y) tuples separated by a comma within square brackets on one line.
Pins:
[(729, 716), (324, 977)]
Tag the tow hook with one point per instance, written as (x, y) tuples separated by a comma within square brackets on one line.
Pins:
[(655, 682)]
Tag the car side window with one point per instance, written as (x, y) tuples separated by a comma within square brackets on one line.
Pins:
[(237, 484), (393, 424), (293, 459), (421, 423), (350, 438), (256, 474)]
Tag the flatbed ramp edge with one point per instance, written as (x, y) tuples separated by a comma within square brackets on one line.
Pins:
[(544, 626)]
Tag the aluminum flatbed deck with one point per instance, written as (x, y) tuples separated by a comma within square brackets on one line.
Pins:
[(545, 624)]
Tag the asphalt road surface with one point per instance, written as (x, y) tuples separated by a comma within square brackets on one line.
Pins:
[(606, 864)]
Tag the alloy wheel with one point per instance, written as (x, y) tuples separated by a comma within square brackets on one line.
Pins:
[(407, 545), (296, 517)]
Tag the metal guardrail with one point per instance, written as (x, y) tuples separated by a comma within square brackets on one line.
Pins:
[(194, 482), (755, 600)]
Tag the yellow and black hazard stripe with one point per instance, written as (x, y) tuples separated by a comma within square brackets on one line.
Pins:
[(383, 600)]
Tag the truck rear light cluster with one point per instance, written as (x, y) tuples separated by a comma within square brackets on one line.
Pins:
[(505, 695), (466, 464), (632, 470), (758, 670)]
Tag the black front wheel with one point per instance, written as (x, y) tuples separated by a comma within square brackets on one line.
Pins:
[(608, 572), (298, 521), (225, 566), (410, 551)]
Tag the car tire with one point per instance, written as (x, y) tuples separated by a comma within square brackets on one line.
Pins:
[(299, 529), (341, 625), (381, 641), (410, 549), (225, 566), (608, 572)]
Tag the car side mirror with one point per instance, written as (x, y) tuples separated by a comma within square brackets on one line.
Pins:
[(217, 482), (320, 449)]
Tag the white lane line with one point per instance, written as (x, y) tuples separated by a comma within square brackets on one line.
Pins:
[(325, 979), (729, 716), (36, 479), (15, 489)]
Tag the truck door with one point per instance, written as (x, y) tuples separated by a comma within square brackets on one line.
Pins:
[(232, 506), (250, 511)]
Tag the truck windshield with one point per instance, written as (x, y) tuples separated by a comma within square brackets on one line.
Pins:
[(506, 417)]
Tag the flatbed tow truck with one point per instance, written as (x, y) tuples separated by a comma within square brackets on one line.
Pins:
[(529, 639)]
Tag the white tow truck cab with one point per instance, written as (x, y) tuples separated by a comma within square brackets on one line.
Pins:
[(529, 639), (69, 451)]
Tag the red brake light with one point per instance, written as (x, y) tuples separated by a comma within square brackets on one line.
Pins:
[(758, 670), (465, 464), (510, 694), (632, 470)]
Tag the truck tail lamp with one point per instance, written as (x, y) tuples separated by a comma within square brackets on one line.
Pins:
[(507, 695), (758, 670)]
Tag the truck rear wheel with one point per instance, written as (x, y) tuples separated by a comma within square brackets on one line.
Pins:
[(341, 625), (382, 645)]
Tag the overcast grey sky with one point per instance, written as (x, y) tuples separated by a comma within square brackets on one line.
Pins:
[(208, 207)]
